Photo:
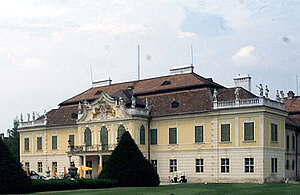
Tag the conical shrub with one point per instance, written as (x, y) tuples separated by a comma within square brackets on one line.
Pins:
[(128, 165)]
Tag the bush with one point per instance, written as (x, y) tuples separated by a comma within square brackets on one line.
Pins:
[(60, 184), (128, 165), (13, 178)]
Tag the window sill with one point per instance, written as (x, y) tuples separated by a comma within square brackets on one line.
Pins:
[(274, 142), (249, 141), (225, 142)]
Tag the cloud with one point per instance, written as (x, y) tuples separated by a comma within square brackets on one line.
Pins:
[(32, 64), (186, 34), (244, 53)]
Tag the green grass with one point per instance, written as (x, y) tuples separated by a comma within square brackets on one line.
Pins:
[(187, 189)]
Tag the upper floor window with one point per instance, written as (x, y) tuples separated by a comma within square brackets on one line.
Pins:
[(88, 137), (173, 135), (104, 138), (39, 143), (249, 131), (54, 142), (274, 132), (153, 136), (287, 142), (72, 140), (198, 134), (225, 132), (142, 135), (293, 142), (26, 144), (121, 130)]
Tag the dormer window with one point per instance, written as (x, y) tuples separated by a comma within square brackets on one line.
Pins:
[(166, 83), (98, 92), (175, 104)]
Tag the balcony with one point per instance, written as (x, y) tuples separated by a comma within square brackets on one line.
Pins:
[(261, 101), (97, 148)]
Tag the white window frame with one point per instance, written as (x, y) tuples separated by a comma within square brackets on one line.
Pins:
[(254, 125), (200, 165), (173, 168), (230, 131)]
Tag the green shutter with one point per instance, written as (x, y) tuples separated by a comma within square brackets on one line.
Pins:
[(249, 131), (142, 135), (225, 132), (172, 135), (71, 138), (274, 132), (121, 130), (54, 142), (39, 143), (198, 134), (26, 144), (88, 137), (153, 136), (104, 138)]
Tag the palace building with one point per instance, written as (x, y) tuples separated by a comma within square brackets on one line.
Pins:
[(181, 122)]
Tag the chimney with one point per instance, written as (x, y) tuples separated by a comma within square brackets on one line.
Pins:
[(182, 69), (243, 81), (291, 95), (101, 83)]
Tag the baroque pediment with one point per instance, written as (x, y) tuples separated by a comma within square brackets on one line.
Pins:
[(103, 108)]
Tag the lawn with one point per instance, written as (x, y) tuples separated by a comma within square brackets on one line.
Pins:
[(193, 189)]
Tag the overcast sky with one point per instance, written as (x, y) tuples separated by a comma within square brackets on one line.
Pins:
[(47, 47)]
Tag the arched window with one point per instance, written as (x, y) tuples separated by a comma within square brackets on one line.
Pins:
[(121, 130), (142, 135), (88, 137), (104, 138)]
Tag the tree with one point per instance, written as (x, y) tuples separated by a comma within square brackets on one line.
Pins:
[(13, 141), (13, 178), (128, 165)]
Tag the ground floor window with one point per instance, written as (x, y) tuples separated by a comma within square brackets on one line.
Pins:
[(173, 165), (27, 165), (199, 166), (249, 165), (287, 166), (274, 165), (89, 164), (40, 167), (154, 163), (293, 164), (54, 164), (224, 165)]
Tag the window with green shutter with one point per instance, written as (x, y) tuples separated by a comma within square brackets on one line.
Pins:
[(274, 132), (88, 137), (72, 140), (198, 134), (225, 132), (54, 142), (172, 135), (26, 144), (142, 135), (104, 138), (121, 130), (153, 136), (39, 143), (249, 131)]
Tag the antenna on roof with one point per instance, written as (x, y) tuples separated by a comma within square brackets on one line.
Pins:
[(192, 55), (139, 62), (91, 70)]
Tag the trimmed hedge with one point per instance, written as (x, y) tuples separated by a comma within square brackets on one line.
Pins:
[(60, 184)]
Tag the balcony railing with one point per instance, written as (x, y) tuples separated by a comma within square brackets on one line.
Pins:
[(93, 148), (248, 103)]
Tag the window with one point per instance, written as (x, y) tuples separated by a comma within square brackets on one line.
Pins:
[(198, 134), (173, 165), (89, 164), (172, 135), (225, 132), (54, 142), (104, 138), (249, 165), (142, 135), (274, 165), (153, 136), (199, 166), (293, 165), (121, 130), (154, 163), (54, 164), (287, 165), (224, 165), (26, 144), (88, 137), (274, 132), (293, 143), (39, 143), (166, 83), (249, 131), (72, 141), (287, 142), (27, 165), (40, 167), (174, 104)]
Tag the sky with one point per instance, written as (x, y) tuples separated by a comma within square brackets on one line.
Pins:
[(47, 47)]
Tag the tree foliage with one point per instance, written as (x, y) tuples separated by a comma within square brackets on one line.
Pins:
[(13, 178), (13, 141), (128, 165)]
